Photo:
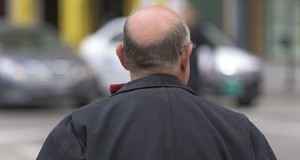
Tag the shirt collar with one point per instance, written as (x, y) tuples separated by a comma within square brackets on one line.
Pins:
[(115, 87)]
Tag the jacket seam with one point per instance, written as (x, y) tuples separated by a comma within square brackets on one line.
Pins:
[(77, 135), (263, 148), (171, 122), (250, 136), (59, 141)]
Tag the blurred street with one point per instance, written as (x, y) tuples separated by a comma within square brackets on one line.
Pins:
[(276, 114)]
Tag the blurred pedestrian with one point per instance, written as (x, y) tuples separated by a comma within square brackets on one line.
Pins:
[(155, 116), (192, 19)]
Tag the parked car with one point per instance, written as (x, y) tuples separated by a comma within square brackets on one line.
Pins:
[(225, 69), (37, 69)]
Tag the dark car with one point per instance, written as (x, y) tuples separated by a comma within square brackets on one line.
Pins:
[(37, 69)]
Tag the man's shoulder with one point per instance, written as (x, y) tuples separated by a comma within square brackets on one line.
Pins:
[(226, 115), (92, 108), (223, 110)]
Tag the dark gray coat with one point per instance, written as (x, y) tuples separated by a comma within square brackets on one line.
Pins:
[(155, 118)]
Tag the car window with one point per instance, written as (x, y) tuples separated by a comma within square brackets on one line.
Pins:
[(14, 40), (217, 36)]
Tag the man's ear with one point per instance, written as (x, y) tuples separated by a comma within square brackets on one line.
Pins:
[(121, 55), (185, 58), (184, 64)]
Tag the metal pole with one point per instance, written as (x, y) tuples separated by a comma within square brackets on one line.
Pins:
[(289, 47)]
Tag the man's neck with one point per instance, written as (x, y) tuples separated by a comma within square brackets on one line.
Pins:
[(138, 75)]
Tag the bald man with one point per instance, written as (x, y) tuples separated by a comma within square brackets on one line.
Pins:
[(155, 116)]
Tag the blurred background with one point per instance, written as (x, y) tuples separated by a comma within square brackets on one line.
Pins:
[(58, 55)]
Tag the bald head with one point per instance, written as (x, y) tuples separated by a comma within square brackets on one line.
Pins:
[(152, 24), (153, 43)]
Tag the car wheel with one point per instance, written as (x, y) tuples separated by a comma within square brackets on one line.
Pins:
[(245, 100), (248, 97), (81, 103)]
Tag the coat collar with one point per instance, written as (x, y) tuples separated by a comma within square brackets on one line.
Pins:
[(153, 81)]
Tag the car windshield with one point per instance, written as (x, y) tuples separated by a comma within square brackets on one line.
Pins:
[(27, 40), (216, 36)]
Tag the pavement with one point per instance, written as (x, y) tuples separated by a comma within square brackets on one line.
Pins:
[(278, 113)]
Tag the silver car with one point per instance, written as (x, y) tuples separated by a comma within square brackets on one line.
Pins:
[(98, 50)]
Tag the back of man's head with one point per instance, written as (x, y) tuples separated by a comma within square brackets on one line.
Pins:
[(153, 39)]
